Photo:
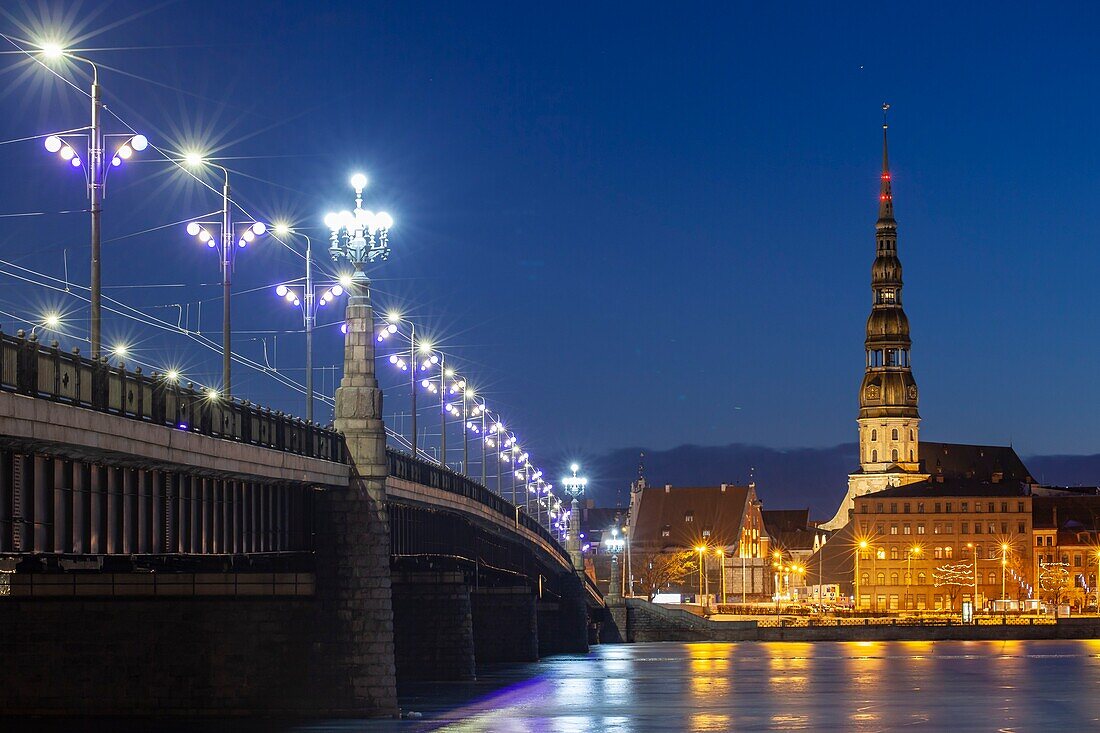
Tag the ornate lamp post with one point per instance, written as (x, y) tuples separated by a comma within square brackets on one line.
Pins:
[(201, 230), (575, 486), (95, 170), (309, 298), (615, 546)]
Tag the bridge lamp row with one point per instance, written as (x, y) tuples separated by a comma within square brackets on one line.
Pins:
[(384, 334), (54, 144), (331, 294), (399, 362), (288, 295)]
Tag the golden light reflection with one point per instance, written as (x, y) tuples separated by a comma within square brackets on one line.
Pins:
[(788, 671), (710, 669), (710, 721)]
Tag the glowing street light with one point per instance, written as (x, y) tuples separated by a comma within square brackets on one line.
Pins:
[(312, 297), (95, 174), (204, 231), (575, 486)]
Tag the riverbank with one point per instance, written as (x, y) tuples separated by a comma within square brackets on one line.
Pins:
[(649, 622)]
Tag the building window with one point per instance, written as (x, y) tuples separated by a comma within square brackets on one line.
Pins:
[(874, 435), (978, 552), (893, 508), (948, 507), (992, 578), (905, 528), (863, 507), (874, 456), (1050, 540), (666, 531), (920, 507), (706, 533), (893, 578), (936, 508), (949, 527), (865, 579), (1077, 560), (894, 455), (992, 527), (880, 553), (920, 529), (1004, 527), (922, 579), (922, 603), (893, 529), (881, 578), (905, 508), (1020, 507), (879, 528), (936, 527), (964, 527), (947, 552), (977, 527), (689, 516), (911, 435), (893, 601), (938, 553), (894, 552), (962, 506), (894, 434), (1004, 506), (878, 507), (1038, 541)]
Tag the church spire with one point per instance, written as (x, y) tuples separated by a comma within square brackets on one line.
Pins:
[(886, 196)]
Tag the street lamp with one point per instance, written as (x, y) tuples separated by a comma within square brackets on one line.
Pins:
[(614, 546), (574, 486), (393, 318), (914, 550), (863, 546), (1004, 567), (95, 174), (701, 549), (722, 569), (201, 230), (974, 559), (311, 297)]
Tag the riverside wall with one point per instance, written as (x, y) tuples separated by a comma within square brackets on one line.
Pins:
[(647, 622)]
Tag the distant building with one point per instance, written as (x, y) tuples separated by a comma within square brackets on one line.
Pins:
[(595, 522), (726, 521), (1067, 531), (910, 539)]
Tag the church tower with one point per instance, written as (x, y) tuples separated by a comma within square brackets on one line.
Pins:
[(889, 424)]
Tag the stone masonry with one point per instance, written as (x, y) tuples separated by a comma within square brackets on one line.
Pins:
[(353, 551)]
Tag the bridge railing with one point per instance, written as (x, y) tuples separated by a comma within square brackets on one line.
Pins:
[(30, 368), (404, 466)]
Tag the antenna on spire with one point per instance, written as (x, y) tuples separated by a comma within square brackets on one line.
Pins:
[(885, 109)]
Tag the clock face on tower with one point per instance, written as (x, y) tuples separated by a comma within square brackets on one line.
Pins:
[(872, 391), (913, 392)]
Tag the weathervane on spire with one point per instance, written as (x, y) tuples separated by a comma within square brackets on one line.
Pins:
[(885, 109)]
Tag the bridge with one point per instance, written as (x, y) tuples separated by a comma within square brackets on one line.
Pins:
[(235, 560)]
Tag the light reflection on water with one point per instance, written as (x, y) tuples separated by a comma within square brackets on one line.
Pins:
[(841, 686), (822, 686)]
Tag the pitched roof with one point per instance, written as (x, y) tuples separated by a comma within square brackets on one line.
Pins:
[(933, 488), (718, 509), (789, 528), (958, 460), (1056, 512)]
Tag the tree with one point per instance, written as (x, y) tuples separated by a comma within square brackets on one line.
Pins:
[(1057, 585), (658, 571), (952, 577)]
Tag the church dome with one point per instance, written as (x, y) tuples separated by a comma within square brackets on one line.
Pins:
[(886, 269), (888, 394), (888, 324)]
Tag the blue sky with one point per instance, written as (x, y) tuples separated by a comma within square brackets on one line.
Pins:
[(631, 225)]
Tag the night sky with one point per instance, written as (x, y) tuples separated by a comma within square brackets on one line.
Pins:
[(640, 225)]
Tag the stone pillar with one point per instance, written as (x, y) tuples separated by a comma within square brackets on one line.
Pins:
[(433, 626), (356, 649), (563, 623), (573, 543), (505, 625)]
